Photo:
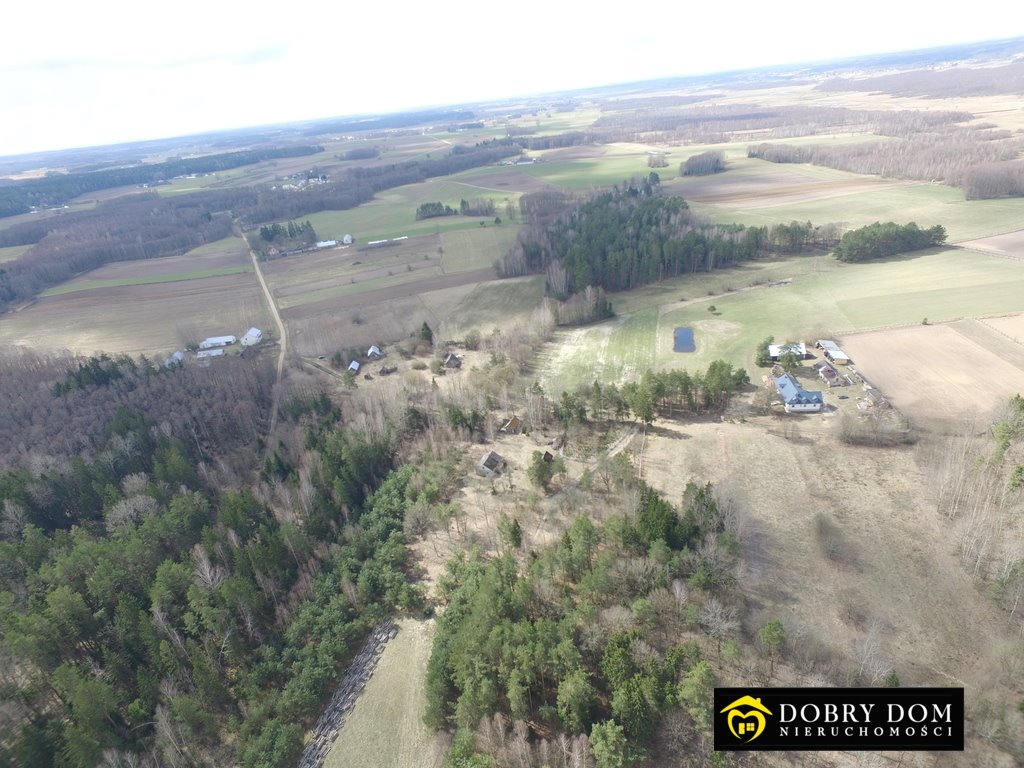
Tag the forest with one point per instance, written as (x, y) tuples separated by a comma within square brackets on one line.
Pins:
[(148, 608), (583, 640), (633, 236)]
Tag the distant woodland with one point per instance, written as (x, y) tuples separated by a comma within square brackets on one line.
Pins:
[(146, 226), (56, 189)]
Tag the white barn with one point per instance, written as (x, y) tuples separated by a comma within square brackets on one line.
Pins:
[(252, 337)]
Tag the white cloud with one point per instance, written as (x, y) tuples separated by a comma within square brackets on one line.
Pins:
[(115, 70)]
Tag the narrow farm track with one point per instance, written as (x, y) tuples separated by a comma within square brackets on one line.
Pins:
[(282, 346)]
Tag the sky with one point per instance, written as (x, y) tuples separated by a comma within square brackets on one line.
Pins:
[(76, 73)]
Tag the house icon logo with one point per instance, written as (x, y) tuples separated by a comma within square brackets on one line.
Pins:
[(746, 718)]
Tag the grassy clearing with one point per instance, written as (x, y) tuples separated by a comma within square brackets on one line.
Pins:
[(12, 252), (90, 285), (227, 245), (467, 250), (386, 727), (825, 297), (620, 350), (497, 303)]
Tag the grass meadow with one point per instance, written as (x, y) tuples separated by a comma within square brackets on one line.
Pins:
[(825, 298)]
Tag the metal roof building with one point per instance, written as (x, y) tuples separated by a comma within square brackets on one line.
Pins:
[(252, 337), (217, 341), (796, 398)]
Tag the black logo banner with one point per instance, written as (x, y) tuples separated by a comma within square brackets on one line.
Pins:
[(839, 718)]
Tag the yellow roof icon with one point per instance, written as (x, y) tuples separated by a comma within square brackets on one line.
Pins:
[(747, 701)]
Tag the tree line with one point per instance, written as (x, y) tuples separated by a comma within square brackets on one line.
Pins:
[(633, 236), (876, 241), (57, 189)]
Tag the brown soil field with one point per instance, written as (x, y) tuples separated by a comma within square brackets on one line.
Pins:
[(887, 592), (1011, 326), (235, 256), (1010, 244), (139, 319), (937, 374), (764, 192)]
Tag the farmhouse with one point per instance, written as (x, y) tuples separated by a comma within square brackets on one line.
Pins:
[(217, 341), (252, 337), (832, 351), (776, 351), (796, 398), (178, 358)]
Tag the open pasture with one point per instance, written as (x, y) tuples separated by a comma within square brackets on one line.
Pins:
[(936, 373), (139, 319), (824, 298)]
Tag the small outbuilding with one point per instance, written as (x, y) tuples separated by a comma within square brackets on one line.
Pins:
[(829, 374), (511, 426), (776, 351), (374, 352), (354, 366), (347, 240), (205, 353), (452, 360), (491, 465)]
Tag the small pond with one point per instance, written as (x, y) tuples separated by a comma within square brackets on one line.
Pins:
[(684, 340)]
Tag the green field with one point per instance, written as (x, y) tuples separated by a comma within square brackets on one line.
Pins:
[(393, 212), (91, 285), (12, 252), (825, 298)]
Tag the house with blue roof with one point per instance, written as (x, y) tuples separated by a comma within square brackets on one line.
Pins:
[(796, 398)]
